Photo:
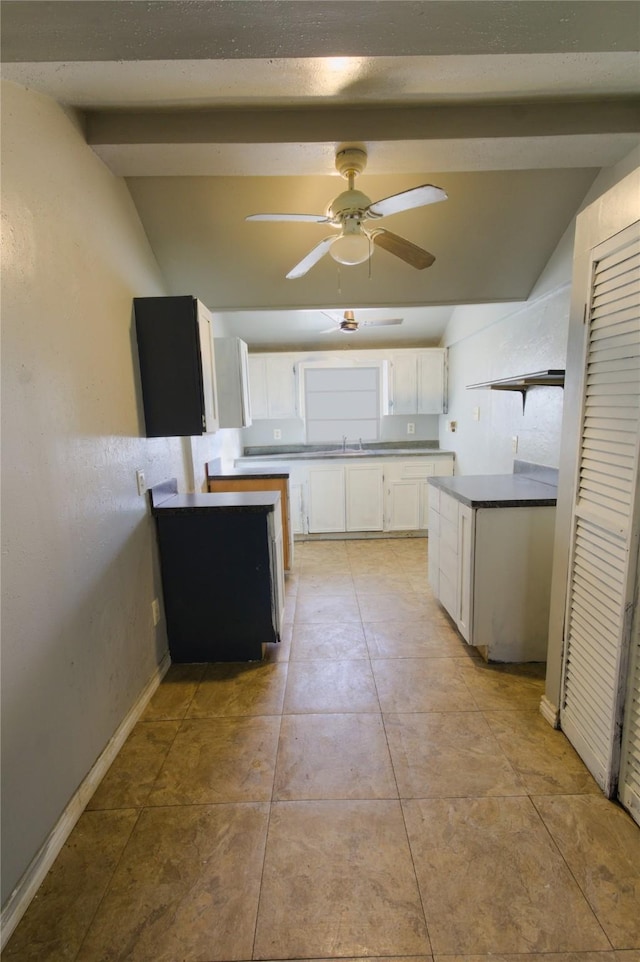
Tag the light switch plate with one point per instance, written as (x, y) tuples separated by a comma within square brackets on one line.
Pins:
[(141, 482)]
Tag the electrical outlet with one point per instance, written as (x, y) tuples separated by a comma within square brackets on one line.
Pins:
[(155, 611), (451, 426), (476, 414), (141, 482), (514, 443), (411, 428), (277, 434)]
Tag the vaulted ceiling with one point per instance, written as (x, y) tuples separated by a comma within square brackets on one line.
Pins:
[(218, 109)]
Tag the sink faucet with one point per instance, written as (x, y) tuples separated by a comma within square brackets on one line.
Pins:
[(344, 443)]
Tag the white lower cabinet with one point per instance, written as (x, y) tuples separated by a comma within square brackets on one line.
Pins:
[(326, 512), (491, 569), (407, 491), (364, 485), (372, 494)]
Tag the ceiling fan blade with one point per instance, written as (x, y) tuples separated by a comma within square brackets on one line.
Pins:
[(300, 218), (406, 200), (386, 323), (336, 320), (404, 249), (312, 258)]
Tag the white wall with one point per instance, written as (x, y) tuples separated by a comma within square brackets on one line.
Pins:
[(79, 567), (486, 342)]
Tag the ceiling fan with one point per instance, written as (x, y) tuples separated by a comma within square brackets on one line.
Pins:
[(348, 211), (349, 325)]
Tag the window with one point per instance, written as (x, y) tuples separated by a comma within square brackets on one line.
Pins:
[(342, 402)]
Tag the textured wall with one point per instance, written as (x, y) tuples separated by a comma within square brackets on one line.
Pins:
[(496, 341), (79, 567)]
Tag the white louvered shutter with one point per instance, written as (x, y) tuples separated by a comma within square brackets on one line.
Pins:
[(601, 579), (629, 788)]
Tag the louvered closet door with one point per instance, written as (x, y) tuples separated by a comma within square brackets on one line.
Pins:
[(629, 789), (601, 579)]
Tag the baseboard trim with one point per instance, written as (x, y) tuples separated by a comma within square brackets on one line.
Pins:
[(549, 712), (33, 878)]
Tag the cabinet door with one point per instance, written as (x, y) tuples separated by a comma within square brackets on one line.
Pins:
[(430, 377), (364, 497), (403, 505), (258, 387), (281, 387), (176, 366), (433, 551), (326, 499), (232, 376), (297, 508), (404, 384), (466, 537)]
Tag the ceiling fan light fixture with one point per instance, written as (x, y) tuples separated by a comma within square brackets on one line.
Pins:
[(350, 249)]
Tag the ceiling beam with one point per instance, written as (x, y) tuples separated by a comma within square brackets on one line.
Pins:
[(349, 124)]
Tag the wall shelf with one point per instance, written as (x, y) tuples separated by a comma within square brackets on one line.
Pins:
[(523, 383)]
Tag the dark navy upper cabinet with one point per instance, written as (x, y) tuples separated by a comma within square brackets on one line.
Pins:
[(177, 369)]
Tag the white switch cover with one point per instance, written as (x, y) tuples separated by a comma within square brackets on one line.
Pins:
[(451, 426), (411, 428), (476, 414), (514, 443), (277, 434), (155, 611), (141, 482)]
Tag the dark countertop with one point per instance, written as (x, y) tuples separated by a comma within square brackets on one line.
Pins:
[(313, 454), (497, 490), (165, 499), (247, 472)]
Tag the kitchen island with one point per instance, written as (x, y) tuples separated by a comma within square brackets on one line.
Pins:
[(490, 557)]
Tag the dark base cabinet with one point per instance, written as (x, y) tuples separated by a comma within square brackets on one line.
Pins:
[(222, 574)]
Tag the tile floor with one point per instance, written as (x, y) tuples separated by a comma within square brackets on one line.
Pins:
[(371, 790)]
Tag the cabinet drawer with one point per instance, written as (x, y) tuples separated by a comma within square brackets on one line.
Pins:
[(449, 534), (434, 498), (449, 508), (417, 469)]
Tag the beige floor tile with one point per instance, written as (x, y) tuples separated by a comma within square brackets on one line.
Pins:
[(219, 760), (185, 889), (315, 642), (505, 686), (543, 757), (132, 773), (413, 639), (397, 606), (389, 566), (373, 583), (330, 686), (326, 609), (57, 919), (448, 754), (492, 880), (333, 756), (601, 845), (609, 956), (346, 867), (174, 694), (252, 688), (421, 684), (326, 584)]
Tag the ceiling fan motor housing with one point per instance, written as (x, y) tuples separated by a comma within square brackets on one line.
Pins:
[(349, 203)]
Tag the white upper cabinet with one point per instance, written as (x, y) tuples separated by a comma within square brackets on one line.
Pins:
[(272, 383), (417, 382), (232, 377)]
